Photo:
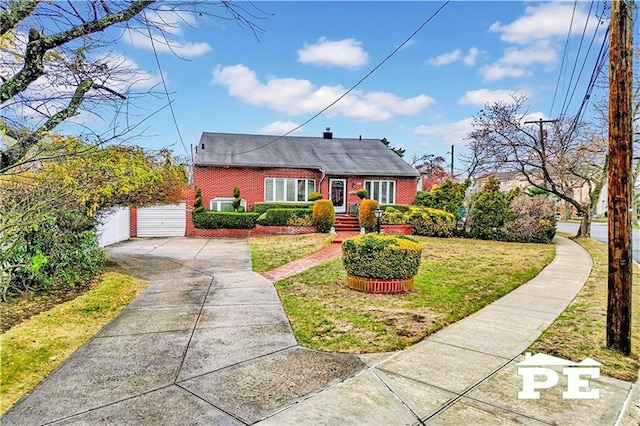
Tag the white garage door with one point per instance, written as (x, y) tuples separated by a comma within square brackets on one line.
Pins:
[(162, 221)]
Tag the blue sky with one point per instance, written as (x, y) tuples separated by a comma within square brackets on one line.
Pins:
[(309, 53)]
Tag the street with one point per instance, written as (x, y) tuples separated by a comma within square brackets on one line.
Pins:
[(599, 232)]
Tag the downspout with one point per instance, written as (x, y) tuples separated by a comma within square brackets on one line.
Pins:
[(321, 179)]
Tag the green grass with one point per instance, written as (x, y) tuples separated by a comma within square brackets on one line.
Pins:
[(580, 331), (456, 278), (32, 349), (269, 252)]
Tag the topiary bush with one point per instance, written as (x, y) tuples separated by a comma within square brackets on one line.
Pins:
[(197, 205), (366, 217), (324, 216), (264, 206), (362, 193), (222, 220), (236, 200), (381, 256), (286, 217)]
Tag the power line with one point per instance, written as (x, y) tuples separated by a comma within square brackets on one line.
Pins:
[(564, 57), (352, 88), (166, 91)]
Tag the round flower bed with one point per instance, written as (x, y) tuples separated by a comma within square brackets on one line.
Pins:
[(378, 263)]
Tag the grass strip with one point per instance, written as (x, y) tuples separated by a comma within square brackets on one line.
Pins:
[(580, 331), (31, 350)]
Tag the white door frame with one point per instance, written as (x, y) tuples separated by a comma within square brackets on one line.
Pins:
[(335, 197)]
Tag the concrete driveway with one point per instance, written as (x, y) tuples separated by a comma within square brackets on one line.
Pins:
[(207, 343)]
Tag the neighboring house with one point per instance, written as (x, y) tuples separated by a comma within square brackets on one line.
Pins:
[(289, 169)]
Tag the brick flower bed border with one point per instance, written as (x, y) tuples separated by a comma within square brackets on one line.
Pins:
[(244, 233), (380, 285)]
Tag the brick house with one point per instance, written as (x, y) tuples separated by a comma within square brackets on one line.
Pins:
[(288, 169)]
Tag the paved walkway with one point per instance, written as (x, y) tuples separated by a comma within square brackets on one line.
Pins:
[(209, 343)]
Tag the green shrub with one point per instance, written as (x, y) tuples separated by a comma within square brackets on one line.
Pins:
[(362, 193), (381, 256), (393, 216), (264, 206), (286, 217), (197, 205), (61, 250), (224, 220), (489, 212), (314, 196), (448, 196), (236, 192), (366, 216), (324, 216), (432, 222), (400, 207)]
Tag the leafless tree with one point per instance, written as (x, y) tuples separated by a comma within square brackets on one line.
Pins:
[(569, 161), (58, 64)]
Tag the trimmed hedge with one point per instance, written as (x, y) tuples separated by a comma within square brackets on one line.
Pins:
[(381, 256), (286, 217), (366, 216), (324, 215), (224, 220), (432, 222), (264, 206)]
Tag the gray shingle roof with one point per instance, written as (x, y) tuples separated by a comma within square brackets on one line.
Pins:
[(337, 156)]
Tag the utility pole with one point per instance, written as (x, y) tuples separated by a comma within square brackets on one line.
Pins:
[(540, 123), (619, 177), (452, 158)]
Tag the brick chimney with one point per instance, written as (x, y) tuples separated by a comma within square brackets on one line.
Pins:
[(327, 133)]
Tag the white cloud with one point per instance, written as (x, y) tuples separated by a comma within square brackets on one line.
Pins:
[(183, 49), (540, 53), (449, 133), (497, 71), (471, 56), (445, 58), (346, 53), (545, 21), (280, 127), (483, 96), (298, 96)]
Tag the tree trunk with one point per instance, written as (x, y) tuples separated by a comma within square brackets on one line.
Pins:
[(585, 224), (567, 211)]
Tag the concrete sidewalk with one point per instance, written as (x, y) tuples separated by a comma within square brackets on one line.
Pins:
[(209, 343)]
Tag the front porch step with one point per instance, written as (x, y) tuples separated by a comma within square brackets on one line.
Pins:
[(346, 223)]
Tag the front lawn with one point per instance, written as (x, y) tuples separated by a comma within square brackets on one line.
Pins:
[(269, 252), (456, 278)]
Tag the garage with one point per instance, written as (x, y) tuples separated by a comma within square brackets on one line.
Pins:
[(162, 221)]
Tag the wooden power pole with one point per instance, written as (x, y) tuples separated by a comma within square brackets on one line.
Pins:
[(620, 175)]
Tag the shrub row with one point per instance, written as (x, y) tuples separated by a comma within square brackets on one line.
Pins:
[(381, 256), (423, 220), (219, 220), (263, 207), (286, 217)]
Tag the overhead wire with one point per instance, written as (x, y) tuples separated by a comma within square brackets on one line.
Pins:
[(166, 91), (352, 88), (564, 57)]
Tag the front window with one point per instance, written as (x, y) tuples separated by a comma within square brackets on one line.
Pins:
[(224, 204), (288, 189), (383, 191)]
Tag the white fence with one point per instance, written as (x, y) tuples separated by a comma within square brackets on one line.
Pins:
[(114, 227)]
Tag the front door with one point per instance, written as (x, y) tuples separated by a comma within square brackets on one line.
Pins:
[(338, 194)]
